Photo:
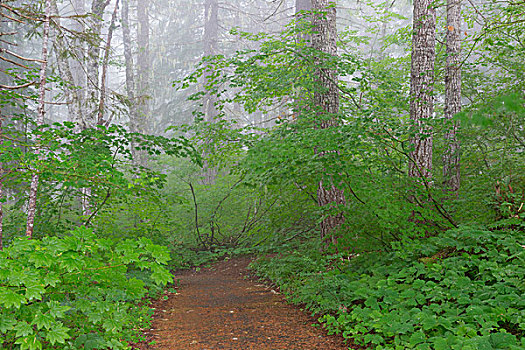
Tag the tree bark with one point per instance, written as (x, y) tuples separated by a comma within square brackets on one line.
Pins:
[(96, 20), (143, 62), (422, 87), (1, 185), (211, 39), (302, 7), (211, 42), (324, 39), (102, 102), (2, 44), (130, 77), (83, 96), (69, 70), (31, 211), (142, 92), (451, 157), (79, 51), (128, 57)]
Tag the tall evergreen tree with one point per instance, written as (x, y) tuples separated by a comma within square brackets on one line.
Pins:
[(143, 60), (211, 38), (326, 99), (451, 158), (422, 87), (96, 21), (130, 73)]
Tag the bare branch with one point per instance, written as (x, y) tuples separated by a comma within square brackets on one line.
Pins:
[(13, 62), (20, 57), (16, 87)]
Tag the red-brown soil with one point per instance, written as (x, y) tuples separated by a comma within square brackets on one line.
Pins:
[(218, 308)]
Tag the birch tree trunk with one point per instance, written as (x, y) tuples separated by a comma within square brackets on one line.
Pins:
[(324, 38), (31, 208), (451, 157), (422, 87)]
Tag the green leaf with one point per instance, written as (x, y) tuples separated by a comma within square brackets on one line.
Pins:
[(417, 337), (114, 344), (9, 299), (40, 259), (57, 334), (29, 342), (34, 291), (441, 344), (56, 310), (428, 322), (89, 341), (502, 340), (43, 321), (112, 325), (23, 329), (7, 323), (161, 276), (51, 279)]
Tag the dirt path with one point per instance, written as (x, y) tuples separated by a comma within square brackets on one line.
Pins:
[(216, 308)]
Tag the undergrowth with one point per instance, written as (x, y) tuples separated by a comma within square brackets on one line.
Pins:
[(77, 292), (462, 289)]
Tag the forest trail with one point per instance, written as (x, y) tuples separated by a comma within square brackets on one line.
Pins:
[(217, 308)]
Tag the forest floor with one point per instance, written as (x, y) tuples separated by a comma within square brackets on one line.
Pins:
[(220, 307)]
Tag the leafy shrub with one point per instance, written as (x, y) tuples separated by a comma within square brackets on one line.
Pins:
[(288, 271), (460, 290), (75, 292)]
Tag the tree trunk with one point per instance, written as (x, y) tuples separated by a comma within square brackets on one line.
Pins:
[(451, 157), (301, 8), (128, 57), (211, 38), (143, 62), (143, 74), (105, 64), (40, 119), (1, 184), (422, 87), (79, 53), (70, 70), (324, 39), (96, 20), (211, 42), (2, 43), (303, 24), (130, 78)]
